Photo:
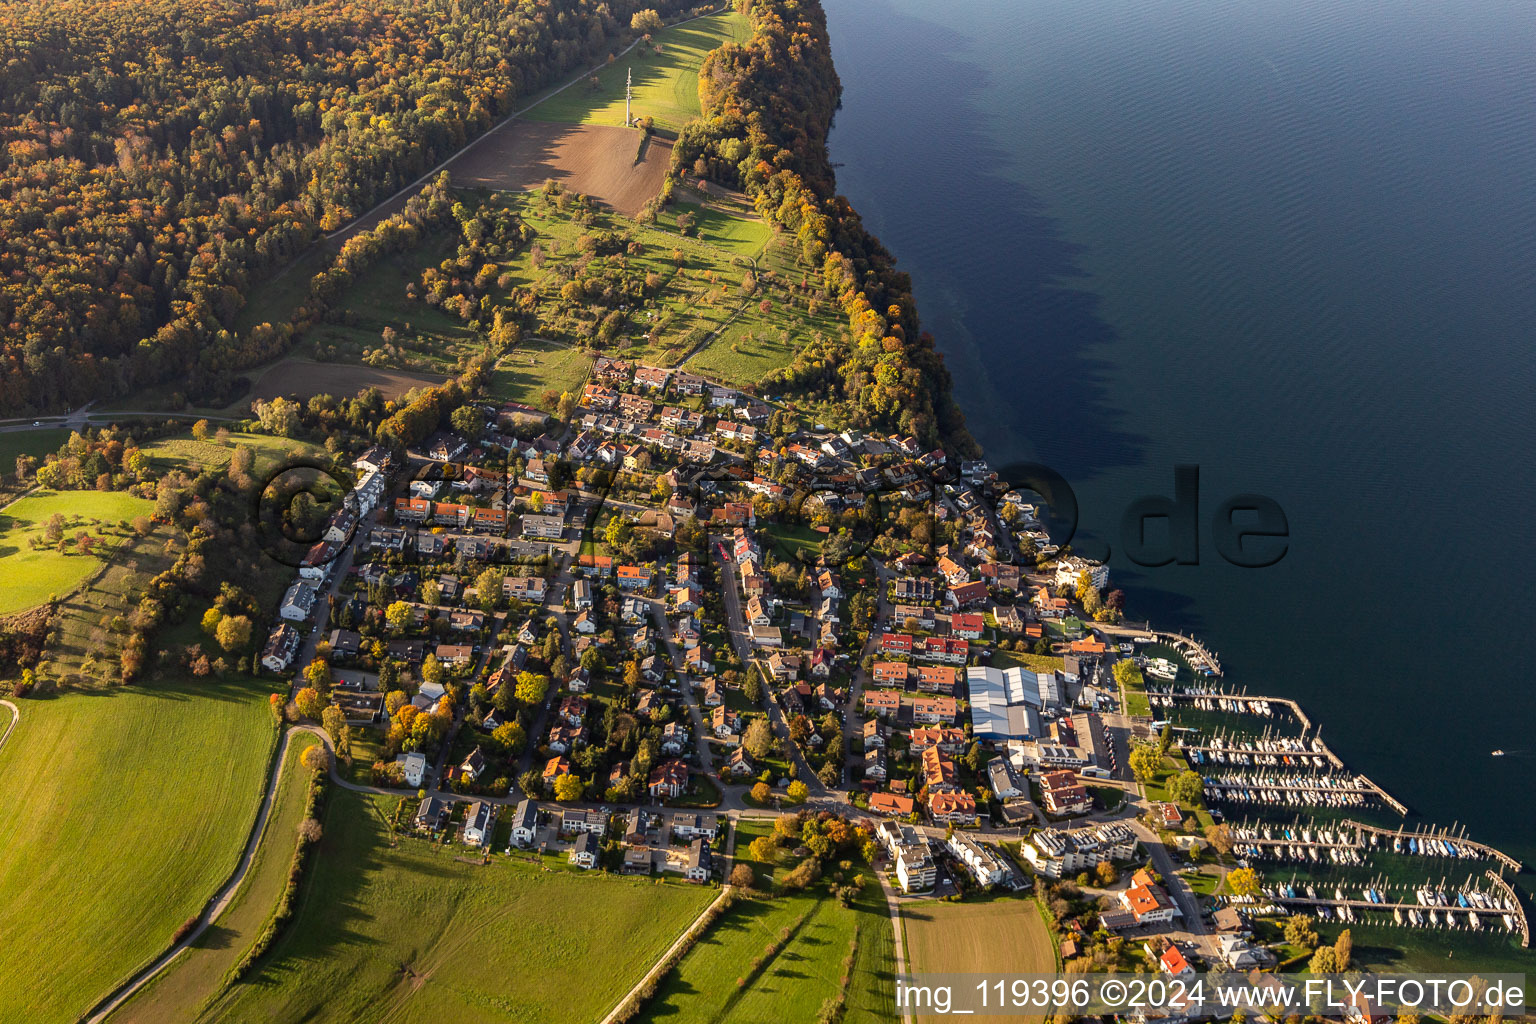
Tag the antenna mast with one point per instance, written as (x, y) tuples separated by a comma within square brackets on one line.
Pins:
[(628, 92)]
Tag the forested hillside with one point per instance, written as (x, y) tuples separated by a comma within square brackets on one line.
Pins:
[(158, 156), (768, 106)]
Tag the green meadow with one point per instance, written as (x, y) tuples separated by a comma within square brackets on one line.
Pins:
[(130, 809), (665, 78), (32, 575), (401, 929)]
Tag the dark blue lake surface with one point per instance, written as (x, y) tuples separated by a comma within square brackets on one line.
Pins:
[(1291, 242)]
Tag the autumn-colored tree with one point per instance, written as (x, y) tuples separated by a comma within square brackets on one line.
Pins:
[(233, 632), (316, 759), (761, 793), (309, 702), (318, 674), (568, 788)]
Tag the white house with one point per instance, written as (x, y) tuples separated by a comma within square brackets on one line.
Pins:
[(584, 851), (281, 646), (985, 866), (479, 822), (525, 823), (298, 602), (414, 765)]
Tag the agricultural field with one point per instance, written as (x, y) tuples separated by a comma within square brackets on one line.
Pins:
[(198, 974), (137, 804), (1000, 935), (665, 77), (405, 930), (795, 982), (616, 165), (302, 379), (33, 575), (537, 368)]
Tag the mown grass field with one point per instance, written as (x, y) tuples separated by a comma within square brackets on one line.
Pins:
[(743, 233), (36, 443), (414, 932), (30, 575), (198, 974), (127, 811), (1002, 935), (666, 83), (538, 367), (806, 972)]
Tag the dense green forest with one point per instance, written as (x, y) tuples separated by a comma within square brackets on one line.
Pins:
[(768, 107), (157, 157)]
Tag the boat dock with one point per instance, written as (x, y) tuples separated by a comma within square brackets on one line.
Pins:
[(1439, 835), (1513, 899)]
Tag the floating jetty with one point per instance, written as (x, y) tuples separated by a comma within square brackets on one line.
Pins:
[(1434, 843), (1352, 842), (1468, 907), (1290, 789)]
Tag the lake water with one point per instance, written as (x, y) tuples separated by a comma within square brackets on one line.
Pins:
[(1291, 242)]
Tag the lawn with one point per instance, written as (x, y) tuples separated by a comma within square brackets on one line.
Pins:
[(999, 935), (744, 235), (793, 984), (32, 576), (198, 974), (36, 443), (418, 932), (133, 807), (524, 375), (665, 78)]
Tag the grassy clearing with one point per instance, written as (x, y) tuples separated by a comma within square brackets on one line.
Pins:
[(198, 974), (36, 443), (188, 453), (665, 77), (132, 809), (1000, 935), (538, 367), (413, 932), (793, 984), (33, 575), (743, 234), (1033, 662)]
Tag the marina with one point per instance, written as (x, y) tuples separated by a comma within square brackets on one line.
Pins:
[(1469, 906)]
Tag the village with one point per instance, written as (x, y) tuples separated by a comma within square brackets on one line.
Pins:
[(610, 639)]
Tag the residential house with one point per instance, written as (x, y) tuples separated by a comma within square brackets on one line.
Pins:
[(956, 808), (882, 702), (525, 823), (891, 804), (933, 710), (1063, 794), (585, 850), (297, 602), (874, 764), (668, 780), (281, 646), (1061, 854), (479, 823), (413, 767), (738, 763), (700, 862), (967, 625), (432, 815), (691, 825), (543, 527), (967, 594), (985, 866)]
